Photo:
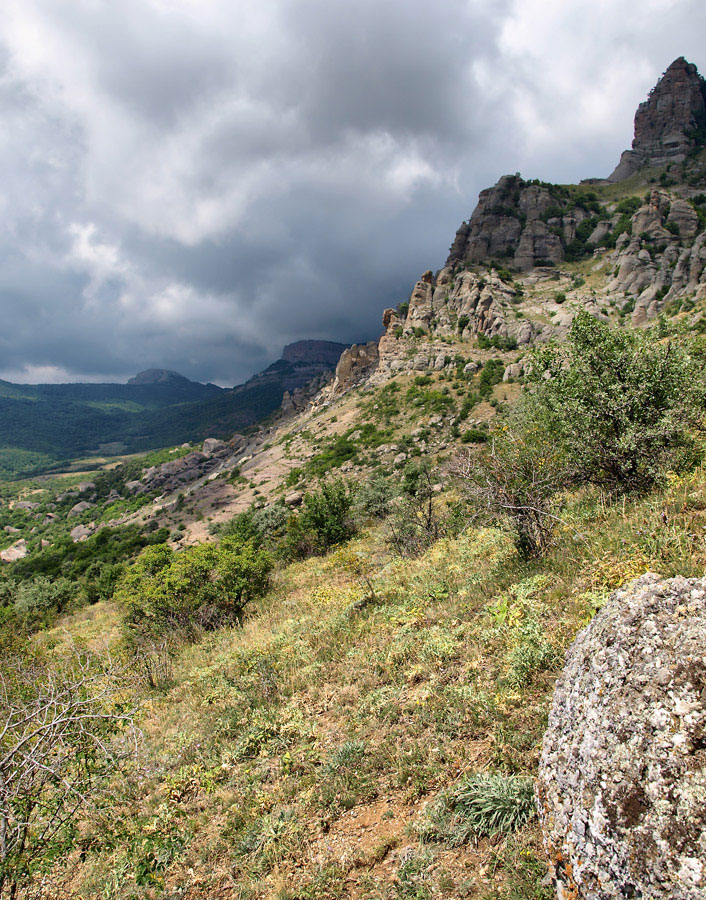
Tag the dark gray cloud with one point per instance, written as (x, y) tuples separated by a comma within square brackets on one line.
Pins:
[(194, 184)]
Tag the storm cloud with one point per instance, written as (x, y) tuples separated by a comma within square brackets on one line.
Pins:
[(191, 184)]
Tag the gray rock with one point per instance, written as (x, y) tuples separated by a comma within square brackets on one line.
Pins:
[(79, 508), (622, 780), (666, 121), (26, 504), (133, 486), (8, 529), (82, 532), (18, 550), (294, 498), (213, 445)]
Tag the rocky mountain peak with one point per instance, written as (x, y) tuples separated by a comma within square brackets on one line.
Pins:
[(157, 376), (670, 123)]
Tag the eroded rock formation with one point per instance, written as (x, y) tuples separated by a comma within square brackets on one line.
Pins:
[(668, 124)]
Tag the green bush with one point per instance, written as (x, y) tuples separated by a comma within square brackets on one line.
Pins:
[(491, 374), (621, 403), (35, 602), (199, 588), (324, 521), (374, 496)]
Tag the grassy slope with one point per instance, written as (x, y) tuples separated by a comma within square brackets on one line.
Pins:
[(296, 757)]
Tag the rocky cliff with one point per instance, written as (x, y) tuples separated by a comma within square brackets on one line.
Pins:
[(525, 223), (670, 123)]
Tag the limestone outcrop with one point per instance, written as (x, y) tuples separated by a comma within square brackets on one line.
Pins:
[(622, 777), (355, 364), (670, 123), (660, 257), (522, 222)]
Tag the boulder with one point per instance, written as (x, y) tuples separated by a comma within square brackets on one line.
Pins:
[(294, 498), (79, 508), (25, 504), (212, 446), (86, 486), (18, 550), (133, 486), (9, 529), (82, 532), (622, 777)]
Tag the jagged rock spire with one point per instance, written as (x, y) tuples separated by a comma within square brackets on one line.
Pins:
[(670, 123)]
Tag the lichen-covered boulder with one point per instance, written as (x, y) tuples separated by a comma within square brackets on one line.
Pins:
[(622, 780)]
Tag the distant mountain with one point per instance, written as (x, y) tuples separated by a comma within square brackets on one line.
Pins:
[(43, 425), (157, 376)]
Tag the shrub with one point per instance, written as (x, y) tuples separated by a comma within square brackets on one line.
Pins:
[(491, 374), (474, 436), (65, 730), (374, 496), (35, 602), (199, 588), (516, 479), (324, 521), (620, 402), (416, 523), (482, 804)]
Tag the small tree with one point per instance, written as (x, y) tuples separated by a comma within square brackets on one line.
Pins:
[(517, 478), (199, 588), (416, 523), (64, 730), (621, 402), (324, 521)]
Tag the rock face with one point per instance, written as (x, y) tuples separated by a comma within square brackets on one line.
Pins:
[(521, 222), (667, 124), (354, 365), (661, 257), (622, 778)]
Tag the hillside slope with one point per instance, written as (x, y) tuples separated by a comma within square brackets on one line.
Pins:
[(48, 423), (328, 745)]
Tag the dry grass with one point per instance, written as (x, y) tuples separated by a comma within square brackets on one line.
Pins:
[(298, 756)]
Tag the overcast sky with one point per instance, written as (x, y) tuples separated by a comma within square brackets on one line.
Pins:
[(191, 184)]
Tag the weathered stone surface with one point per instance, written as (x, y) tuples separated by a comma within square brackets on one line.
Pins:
[(80, 508), (212, 446), (18, 550), (28, 505), (622, 778), (294, 498), (516, 220), (354, 365), (665, 122), (82, 532)]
